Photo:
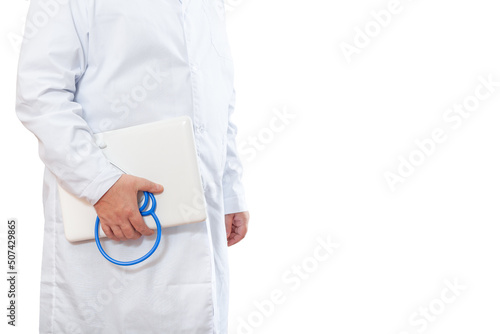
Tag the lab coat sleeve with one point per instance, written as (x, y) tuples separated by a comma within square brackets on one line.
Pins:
[(52, 60), (234, 194)]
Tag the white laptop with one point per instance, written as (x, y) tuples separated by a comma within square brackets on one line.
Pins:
[(163, 152)]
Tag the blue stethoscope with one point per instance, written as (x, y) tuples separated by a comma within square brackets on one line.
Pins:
[(151, 212)]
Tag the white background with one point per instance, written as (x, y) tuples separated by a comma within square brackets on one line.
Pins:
[(321, 175)]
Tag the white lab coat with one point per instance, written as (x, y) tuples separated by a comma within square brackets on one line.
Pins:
[(88, 66)]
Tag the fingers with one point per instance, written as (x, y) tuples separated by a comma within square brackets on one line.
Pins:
[(124, 231), (237, 234), (236, 227), (239, 230), (146, 185), (129, 231), (229, 223), (234, 239), (139, 225), (120, 228), (109, 233), (119, 208), (117, 231)]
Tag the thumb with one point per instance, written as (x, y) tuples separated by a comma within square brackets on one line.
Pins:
[(146, 185)]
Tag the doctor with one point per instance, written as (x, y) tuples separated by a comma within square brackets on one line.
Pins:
[(88, 66)]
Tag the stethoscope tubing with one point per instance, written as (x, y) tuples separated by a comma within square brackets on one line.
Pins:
[(151, 212)]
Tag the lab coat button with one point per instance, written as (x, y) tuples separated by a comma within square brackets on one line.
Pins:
[(200, 129)]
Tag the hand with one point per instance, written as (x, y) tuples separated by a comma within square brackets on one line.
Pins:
[(236, 227), (118, 209)]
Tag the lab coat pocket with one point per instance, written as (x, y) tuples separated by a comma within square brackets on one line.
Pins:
[(214, 9)]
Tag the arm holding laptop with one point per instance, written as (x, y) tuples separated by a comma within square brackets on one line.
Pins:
[(46, 87)]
